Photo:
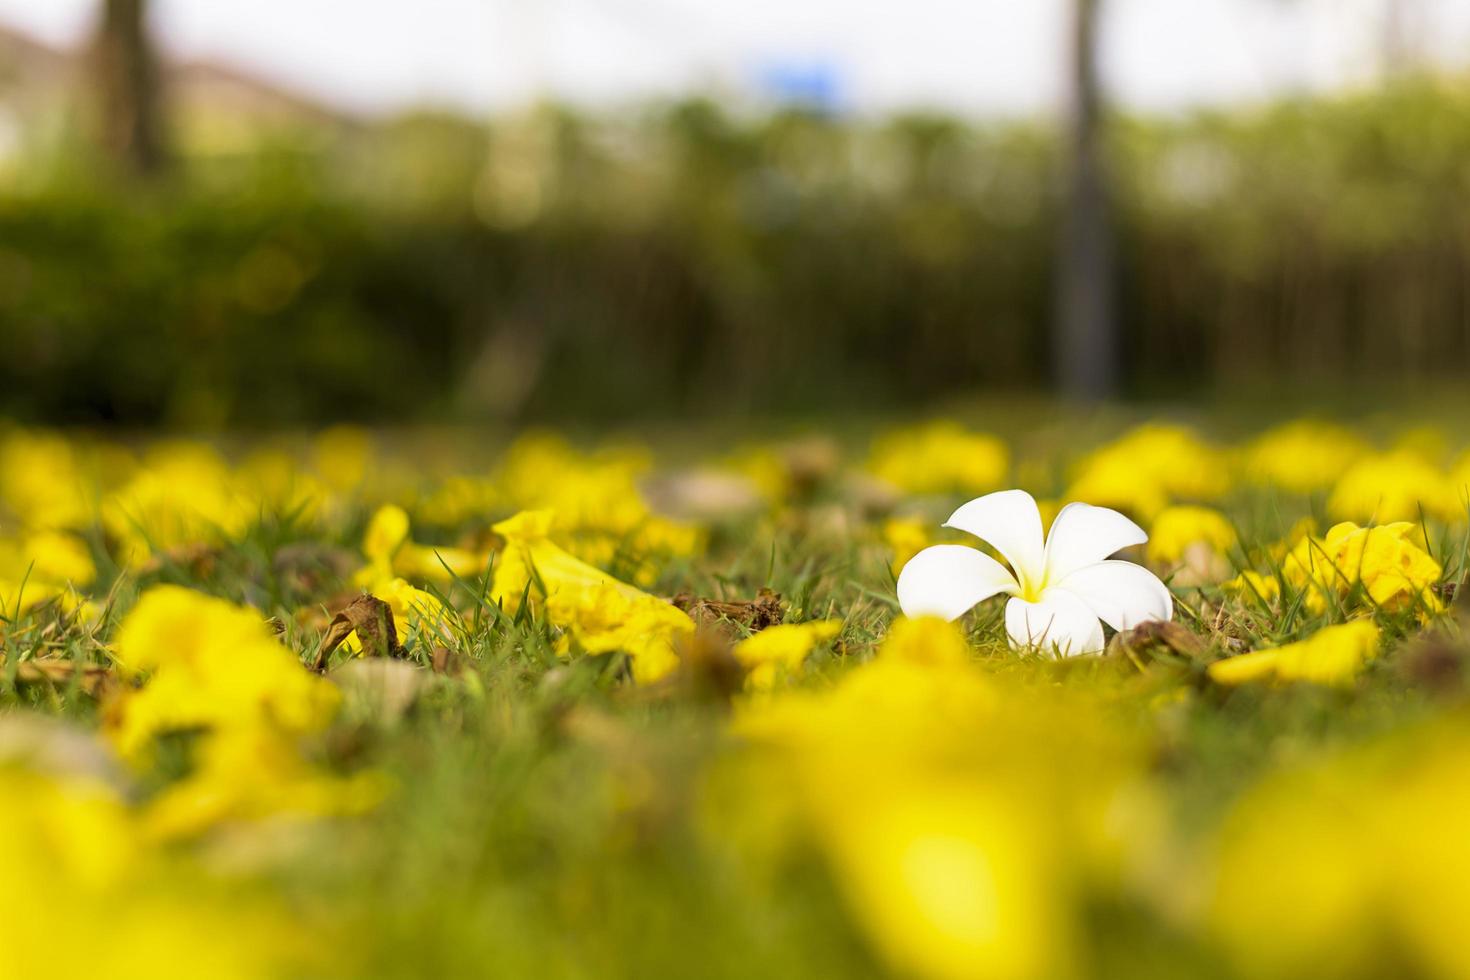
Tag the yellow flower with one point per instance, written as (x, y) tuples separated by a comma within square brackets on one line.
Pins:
[(1356, 866), (78, 846), (600, 513), (541, 469), (392, 553), (250, 773), (780, 650), (1397, 486), (387, 531), (1149, 467), (183, 495), (74, 827), (55, 557), (925, 640), (43, 482), (905, 537), (1428, 442), (599, 613), (215, 669), (459, 500), (1254, 587), (952, 883), (1460, 477), (939, 457), (980, 823), (1396, 572), (1334, 656), (211, 665), (41, 566), (1179, 529), (1303, 456), (1302, 529)]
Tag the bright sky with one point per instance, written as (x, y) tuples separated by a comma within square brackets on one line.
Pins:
[(975, 56)]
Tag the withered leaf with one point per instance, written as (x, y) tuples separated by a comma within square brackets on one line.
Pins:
[(446, 661), (1155, 641), (371, 619), (93, 679), (751, 615)]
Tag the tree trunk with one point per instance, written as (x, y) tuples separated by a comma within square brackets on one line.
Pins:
[(1086, 339), (128, 88)]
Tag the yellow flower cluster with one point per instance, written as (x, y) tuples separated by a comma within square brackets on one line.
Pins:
[(976, 814), (210, 667), (600, 512), (1193, 544), (1177, 530), (46, 481), (1398, 486), (1146, 469), (598, 613), (940, 457), (1303, 456), (93, 895), (392, 553), (779, 651), (905, 537), (1385, 566), (1352, 867), (40, 566), (961, 817), (182, 494)]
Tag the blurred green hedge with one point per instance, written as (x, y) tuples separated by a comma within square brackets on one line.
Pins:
[(686, 260)]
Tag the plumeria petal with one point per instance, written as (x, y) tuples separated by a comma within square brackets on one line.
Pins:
[(1083, 534), (1010, 522), (1119, 593), (947, 579), (1060, 621)]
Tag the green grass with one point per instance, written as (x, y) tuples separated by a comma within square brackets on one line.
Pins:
[(513, 844)]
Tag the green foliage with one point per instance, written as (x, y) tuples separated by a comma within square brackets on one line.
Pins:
[(688, 260)]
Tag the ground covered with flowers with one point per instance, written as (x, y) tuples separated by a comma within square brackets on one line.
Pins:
[(347, 704)]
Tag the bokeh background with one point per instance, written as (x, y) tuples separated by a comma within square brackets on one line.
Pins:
[(278, 213)]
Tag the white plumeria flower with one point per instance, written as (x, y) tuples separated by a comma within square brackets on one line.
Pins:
[(1059, 589)]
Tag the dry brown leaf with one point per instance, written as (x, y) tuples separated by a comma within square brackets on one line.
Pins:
[(1156, 641), (752, 615), (94, 678), (372, 620), (446, 661)]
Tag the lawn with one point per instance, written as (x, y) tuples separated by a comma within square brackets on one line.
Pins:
[(645, 708)]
